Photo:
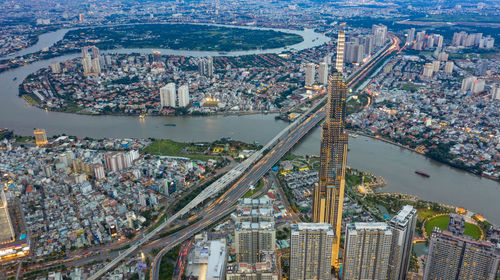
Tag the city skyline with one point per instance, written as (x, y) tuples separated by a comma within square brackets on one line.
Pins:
[(180, 140)]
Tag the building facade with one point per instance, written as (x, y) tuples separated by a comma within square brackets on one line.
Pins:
[(328, 194), (403, 228), (454, 257), (311, 251), (367, 251)]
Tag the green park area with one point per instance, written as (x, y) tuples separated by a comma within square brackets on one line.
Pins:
[(167, 147), (183, 37), (200, 150), (441, 222)]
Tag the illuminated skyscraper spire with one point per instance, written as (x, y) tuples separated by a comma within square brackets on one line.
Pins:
[(329, 193)]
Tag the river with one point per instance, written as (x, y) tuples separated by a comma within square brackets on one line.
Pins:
[(396, 165)]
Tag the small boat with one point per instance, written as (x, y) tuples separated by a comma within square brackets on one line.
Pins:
[(170, 124), (15, 78), (422, 173), (353, 135)]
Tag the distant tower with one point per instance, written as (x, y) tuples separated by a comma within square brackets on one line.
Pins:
[(40, 137), (310, 74), (310, 251), (328, 196), (339, 62), (167, 95), (183, 95), (323, 73)]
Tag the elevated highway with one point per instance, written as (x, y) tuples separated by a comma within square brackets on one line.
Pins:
[(243, 175)]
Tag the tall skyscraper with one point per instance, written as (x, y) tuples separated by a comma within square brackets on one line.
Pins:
[(367, 251), (339, 62), (428, 70), (311, 251), (411, 36), (91, 61), (456, 257), (380, 33), (206, 66), (254, 241), (328, 196), (403, 228), (310, 74), (251, 238), (167, 95), (183, 95), (40, 137), (323, 73)]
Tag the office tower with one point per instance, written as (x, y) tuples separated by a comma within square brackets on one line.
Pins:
[(183, 95), (411, 36), (339, 62), (311, 251), (328, 196), (323, 73), (310, 74), (368, 44), (458, 257), (403, 228), (435, 65), (448, 68), (56, 67), (367, 251), (252, 238), (167, 95), (40, 137), (428, 70), (380, 33)]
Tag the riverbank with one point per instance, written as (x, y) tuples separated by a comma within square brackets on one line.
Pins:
[(392, 142)]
